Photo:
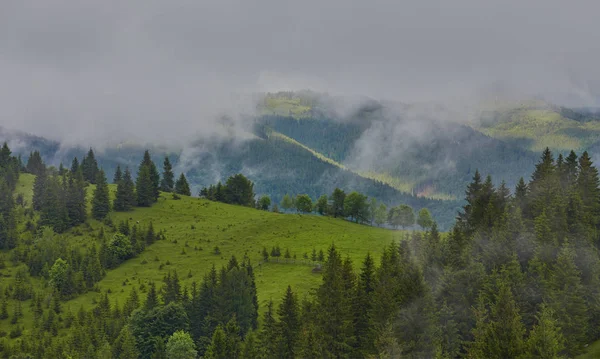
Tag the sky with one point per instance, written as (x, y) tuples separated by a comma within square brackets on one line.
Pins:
[(83, 70)]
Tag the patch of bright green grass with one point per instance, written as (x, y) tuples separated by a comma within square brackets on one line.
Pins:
[(592, 351), (194, 227)]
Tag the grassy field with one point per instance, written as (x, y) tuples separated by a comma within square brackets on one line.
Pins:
[(593, 351), (193, 228)]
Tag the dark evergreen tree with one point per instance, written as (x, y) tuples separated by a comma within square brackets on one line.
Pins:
[(75, 200), (101, 200), (167, 185), (35, 165), (335, 308), (8, 225), (125, 198), (89, 167), (118, 175), (144, 187), (362, 308), (239, 190), (182, 187), (289, 323), (75, 165)]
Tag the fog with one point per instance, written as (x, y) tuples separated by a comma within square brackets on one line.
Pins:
[(92, 72)]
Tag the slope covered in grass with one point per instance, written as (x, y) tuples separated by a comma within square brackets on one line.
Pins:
[(193, 228)]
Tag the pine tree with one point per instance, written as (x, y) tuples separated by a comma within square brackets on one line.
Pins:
[(101, 200), (335, 307), (166, 185), (89, 167), (289, 323), (218, 346), (269, 335), (118, 175), (545, 339), (153, 174), (8, 224), (250, 347), (125, 198), (588, 188), (499, 332), (182, 187), (144, 189), (363, 330), (566, 299), (35, 165), (53, 209), (76, 201), (152, 298), (75, 165)]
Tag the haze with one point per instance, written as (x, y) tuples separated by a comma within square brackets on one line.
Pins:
[(87, 71)]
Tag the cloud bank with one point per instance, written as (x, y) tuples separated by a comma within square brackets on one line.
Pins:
[(167, 71)]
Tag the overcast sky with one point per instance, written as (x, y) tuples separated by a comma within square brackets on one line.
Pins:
[(164, 69)]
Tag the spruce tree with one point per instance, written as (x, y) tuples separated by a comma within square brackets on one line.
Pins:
[(118, 175), (335, 307), (567, 300), (101, 200), (75, 165), (144, 188), (76, 201), (89, 167), (8, 225), (182, 187), (166, 185), (151, 298), (218, 346), (545, 339), (153, 173), (289, 323), (125, 198), (588, 188), (269, 335), (362, 306)]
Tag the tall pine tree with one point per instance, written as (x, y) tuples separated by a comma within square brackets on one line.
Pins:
[(166, 185), (101, 200)]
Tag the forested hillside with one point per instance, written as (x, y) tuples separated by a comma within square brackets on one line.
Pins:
[(142, 273)]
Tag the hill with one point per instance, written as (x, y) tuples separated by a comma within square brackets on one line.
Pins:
[(193, 228)]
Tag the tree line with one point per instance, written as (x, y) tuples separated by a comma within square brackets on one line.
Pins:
[(60, 195), (354, 206)]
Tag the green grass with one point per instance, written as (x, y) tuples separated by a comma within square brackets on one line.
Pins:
[(592, 352), (193, 227)]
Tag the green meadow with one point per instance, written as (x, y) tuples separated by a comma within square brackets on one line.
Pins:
[(199, 234)]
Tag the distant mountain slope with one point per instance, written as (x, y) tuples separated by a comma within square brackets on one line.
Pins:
[(278, 166), (535, 128), (429, 158)]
